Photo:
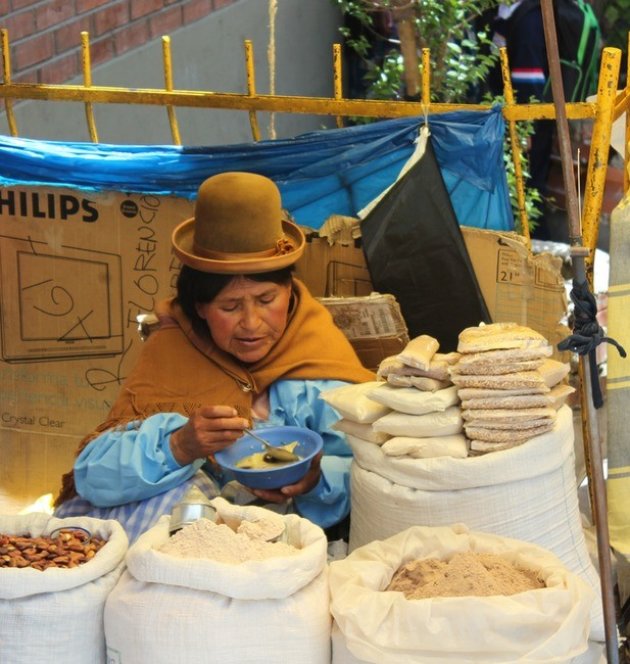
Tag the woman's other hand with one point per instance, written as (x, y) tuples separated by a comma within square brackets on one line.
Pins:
[(308, 482), (208, 430)]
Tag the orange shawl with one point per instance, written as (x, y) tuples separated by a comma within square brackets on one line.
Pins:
[(178, 371)]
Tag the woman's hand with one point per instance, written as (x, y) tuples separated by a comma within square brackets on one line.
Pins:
[(208, 430), (307, 483)]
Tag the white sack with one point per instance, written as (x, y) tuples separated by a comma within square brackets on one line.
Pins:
[(421, 426), (527, 492), (352, 402), (413, 401), (57, 615), (544, 625), (193, 610)]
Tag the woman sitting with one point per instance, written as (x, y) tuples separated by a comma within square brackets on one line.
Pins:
[(243, 343)]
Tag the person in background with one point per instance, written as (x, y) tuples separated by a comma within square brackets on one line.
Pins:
[(242, 343), (523, 37)]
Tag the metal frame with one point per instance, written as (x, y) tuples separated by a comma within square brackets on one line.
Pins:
[(609, 106)]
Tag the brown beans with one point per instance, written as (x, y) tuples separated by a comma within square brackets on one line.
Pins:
[(67, 549)]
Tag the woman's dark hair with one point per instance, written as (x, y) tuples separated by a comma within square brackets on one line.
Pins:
[(196, 287)]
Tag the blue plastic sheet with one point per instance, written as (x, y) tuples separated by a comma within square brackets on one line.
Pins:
[(334, 171)]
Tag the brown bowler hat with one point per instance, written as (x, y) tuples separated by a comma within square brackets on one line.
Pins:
[(238, 228)]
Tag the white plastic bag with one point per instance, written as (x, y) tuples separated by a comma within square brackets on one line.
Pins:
[(550, 624), (353, 403), (422, 426), (196, 610), (413, 401), (57, 615)]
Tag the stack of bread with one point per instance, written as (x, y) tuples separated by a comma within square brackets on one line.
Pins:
[(510, 388), (424, 418)]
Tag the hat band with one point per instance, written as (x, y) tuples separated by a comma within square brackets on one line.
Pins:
[(283, 246)]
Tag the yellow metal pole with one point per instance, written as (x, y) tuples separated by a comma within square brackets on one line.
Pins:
[(626, 162), (6, 73), (87, 82), (516, 147), (600, 148), (426, 78), (168, 86), (251, 87), (337, 80)]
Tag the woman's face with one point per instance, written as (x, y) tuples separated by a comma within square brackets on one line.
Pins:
[(247, 317)]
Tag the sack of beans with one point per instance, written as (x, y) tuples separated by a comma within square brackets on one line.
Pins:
[(234, 590), (55, 575), (448, 594)]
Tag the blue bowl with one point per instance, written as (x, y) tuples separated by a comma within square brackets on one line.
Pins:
[(309, 444)]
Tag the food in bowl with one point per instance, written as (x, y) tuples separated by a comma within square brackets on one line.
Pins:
[(308, 444), (263, 460)]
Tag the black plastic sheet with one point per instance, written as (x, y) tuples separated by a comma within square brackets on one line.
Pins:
[(415, 250)]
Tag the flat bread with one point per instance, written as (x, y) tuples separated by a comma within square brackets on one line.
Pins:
[(506, 426), (507, 355), (511, 381), (553, 372), (496, 367), (490, 435), (498, 336), (487, 393), (518, 401), (508, 414), (484, 447), (559, 395)]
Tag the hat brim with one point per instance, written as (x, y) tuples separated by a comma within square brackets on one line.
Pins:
[(182, 242)]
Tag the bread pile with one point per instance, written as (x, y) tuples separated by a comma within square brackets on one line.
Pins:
[(424, 418), (510, 389)]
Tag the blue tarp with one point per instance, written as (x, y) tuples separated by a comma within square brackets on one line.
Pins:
[(334, 171)]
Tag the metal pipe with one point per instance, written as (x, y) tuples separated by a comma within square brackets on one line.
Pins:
[(87, 80), (337, 79), (6, 73), (516, 146), (168, 85), (579, 272), (251, 87)]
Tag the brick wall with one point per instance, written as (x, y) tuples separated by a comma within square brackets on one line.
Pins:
[(45, 35)]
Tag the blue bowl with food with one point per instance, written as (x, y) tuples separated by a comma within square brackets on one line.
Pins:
[(247, 460)]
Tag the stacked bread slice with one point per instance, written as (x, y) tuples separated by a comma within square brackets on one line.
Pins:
[(509, 387)]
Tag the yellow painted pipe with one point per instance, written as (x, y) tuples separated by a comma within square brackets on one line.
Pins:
[(168, 85), (6, 77), (87, 80), (251, 87), (600, 148), (508, 93)]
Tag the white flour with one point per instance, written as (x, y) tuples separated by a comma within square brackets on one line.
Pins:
[(205, 539)]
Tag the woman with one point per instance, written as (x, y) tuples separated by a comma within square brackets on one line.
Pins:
[(242, 343)]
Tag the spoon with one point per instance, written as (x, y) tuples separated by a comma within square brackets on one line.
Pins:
[(276, 453)]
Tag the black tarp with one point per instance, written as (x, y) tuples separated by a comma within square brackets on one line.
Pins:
[(415, 250)]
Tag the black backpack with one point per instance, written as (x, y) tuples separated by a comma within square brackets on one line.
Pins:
[(579, 45)]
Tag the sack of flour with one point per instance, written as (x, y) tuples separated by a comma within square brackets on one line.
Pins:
[(56, 614), (526, 492), (373, 624), (232, 600)]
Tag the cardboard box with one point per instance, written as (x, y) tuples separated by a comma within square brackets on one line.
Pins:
[(373, 324), (76, 269), (333, 270), (517, 285)]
